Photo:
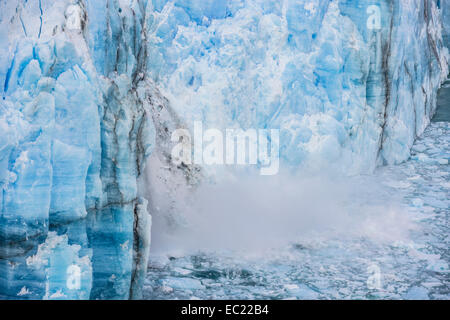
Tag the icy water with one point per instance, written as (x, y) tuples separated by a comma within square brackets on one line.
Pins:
[(355, 267), (443, 102)]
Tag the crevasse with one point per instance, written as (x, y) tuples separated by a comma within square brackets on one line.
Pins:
[(90, 88)]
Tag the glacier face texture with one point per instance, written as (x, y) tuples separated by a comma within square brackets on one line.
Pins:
[(445, 7), (74, 137), (349, 83)]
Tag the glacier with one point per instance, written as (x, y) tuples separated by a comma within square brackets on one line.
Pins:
[(75, 134), (339, 91), (91, 88)]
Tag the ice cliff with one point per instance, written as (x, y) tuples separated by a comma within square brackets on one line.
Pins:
[(445, 7), (75, 133), (349, 83)]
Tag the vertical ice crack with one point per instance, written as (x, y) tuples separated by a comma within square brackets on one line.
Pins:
[(40, 18), (23, 25), (387, 83)]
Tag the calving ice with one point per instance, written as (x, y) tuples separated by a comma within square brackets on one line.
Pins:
[(193, 310), (241, 147)]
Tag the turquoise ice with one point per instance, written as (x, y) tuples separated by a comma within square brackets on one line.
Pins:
[(75, 135)]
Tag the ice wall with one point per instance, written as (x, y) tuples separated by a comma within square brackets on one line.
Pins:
[(74, 137), (445, 7), (349, 83)]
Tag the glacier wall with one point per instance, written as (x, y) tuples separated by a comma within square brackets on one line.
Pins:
[(349, 83), (445, 7), (74, 137), (90, 87)]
